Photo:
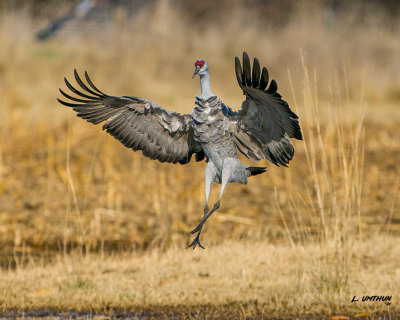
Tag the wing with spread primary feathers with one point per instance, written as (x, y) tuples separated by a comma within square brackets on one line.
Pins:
[(137, 123), (264, 126)]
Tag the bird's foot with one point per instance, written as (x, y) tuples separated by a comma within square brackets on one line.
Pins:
[(196, 242)]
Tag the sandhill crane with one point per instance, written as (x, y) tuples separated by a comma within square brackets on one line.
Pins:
[(260, 130)]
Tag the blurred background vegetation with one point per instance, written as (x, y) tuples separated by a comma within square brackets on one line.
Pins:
[(64, 184)]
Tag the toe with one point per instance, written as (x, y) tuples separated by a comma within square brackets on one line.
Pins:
[(193, 244)]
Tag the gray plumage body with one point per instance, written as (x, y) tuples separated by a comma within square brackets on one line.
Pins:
[(212, 130), (260, 130)]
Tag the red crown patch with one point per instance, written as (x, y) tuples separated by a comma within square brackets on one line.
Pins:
[(200, 63)]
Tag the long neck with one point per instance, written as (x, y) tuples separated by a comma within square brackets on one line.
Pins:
[(205, 86)]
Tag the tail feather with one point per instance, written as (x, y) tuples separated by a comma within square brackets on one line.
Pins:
[(256, 170)]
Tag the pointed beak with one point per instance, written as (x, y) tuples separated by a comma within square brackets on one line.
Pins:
[(196, 71)]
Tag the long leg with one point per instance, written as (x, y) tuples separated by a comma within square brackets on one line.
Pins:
[(209, 176), (226, 175)]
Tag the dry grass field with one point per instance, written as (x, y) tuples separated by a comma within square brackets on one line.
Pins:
[(86, 224)]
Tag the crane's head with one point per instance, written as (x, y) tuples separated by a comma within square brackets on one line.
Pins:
[(201, 67)]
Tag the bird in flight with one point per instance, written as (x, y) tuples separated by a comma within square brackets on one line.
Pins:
[(260, 130)]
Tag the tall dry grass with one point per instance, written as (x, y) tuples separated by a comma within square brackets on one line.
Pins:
[(67, 186), (235, 280)]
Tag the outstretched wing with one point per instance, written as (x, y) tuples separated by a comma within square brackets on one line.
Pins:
[(264, 126), (137, 123)]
